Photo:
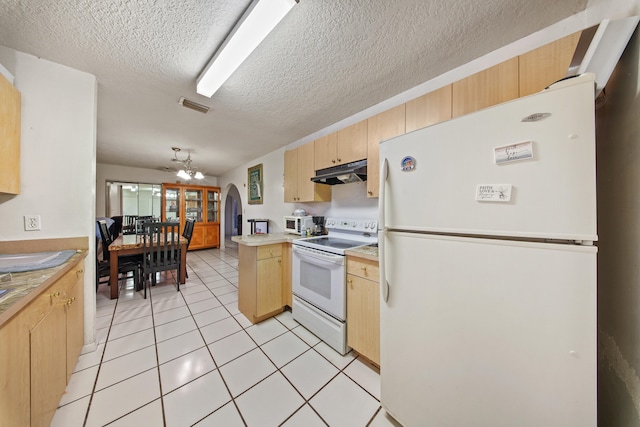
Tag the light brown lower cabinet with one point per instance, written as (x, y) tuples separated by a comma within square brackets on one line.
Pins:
[(46, 338), (363, 307), (287, 295), (260, 281), (48, 364)]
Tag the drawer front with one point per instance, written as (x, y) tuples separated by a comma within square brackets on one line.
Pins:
[(364, 268), (56, 294), (269, 251), (47, 300)]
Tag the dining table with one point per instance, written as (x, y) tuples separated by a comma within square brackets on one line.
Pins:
[(133, 244)]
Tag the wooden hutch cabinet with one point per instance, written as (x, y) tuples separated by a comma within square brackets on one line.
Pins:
[(183, 201)]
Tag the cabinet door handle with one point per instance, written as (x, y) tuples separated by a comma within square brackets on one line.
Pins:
[(364, 268), (339, 160), (279, 261), (333, 161), (349, 281), (54, 295)]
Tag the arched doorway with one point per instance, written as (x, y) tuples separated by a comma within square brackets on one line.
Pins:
[(232, 214)]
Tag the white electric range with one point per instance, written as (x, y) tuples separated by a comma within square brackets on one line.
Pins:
[(319, 278)]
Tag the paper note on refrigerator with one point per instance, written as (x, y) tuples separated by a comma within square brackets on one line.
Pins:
[(511, 153), (493, 192)]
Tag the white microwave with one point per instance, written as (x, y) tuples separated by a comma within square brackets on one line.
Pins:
[(297, 224)]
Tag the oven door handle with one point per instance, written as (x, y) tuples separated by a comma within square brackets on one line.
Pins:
[(318, 257)]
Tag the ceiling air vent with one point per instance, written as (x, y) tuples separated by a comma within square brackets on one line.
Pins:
[(193, 105)]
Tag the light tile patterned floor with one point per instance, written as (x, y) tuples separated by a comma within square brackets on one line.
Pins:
[(191, 358)]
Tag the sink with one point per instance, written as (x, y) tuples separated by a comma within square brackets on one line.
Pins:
[(24, 260)]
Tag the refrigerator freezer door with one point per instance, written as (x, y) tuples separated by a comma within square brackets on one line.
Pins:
[(481, 332), (452, 177)]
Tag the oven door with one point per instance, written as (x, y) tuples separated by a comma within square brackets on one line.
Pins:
[(319, 278)]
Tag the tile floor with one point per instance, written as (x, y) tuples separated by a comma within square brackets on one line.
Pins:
[(191, 358)]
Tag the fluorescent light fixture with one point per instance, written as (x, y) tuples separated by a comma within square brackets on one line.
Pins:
[(258, 21)]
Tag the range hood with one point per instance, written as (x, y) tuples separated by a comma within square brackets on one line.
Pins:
[(343, 174)]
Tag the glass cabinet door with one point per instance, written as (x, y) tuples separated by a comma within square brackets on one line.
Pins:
[(193, 204), (172, 204), (212, 206)]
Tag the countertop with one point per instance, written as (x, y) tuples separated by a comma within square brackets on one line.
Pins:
[(265, 239), (25, 287), (366, 252)]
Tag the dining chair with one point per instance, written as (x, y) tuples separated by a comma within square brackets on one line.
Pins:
[(139, 227), (161, 243), (188, 233), (129, 224), (116, 227), (126, 264)]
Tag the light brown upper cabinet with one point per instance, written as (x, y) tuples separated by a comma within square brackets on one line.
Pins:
[(382, 126), (488, 87), (429, 109), (298, 170), (546, 64), (326, 151), (9, 137), (345, 146)]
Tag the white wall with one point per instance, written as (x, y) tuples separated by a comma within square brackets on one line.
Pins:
[(348, 200), (58, 146), (107, 172)]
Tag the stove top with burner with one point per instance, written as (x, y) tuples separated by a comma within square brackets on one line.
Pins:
[(343, 234)]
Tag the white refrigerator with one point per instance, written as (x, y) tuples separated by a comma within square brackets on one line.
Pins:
[(488, 266)]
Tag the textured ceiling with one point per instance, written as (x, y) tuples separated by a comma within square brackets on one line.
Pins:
[(326, 61)]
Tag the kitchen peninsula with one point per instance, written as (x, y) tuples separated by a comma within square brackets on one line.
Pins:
[(264, 274)]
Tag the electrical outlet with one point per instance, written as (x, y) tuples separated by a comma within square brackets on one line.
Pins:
[(31, 222)]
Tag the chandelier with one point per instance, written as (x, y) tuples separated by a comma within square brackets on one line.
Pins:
[(187, 171)]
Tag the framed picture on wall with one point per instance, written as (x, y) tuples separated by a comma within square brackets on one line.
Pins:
[(254, 180)]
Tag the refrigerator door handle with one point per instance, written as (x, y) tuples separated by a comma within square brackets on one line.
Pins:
[(384, 285), (384, 172)]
